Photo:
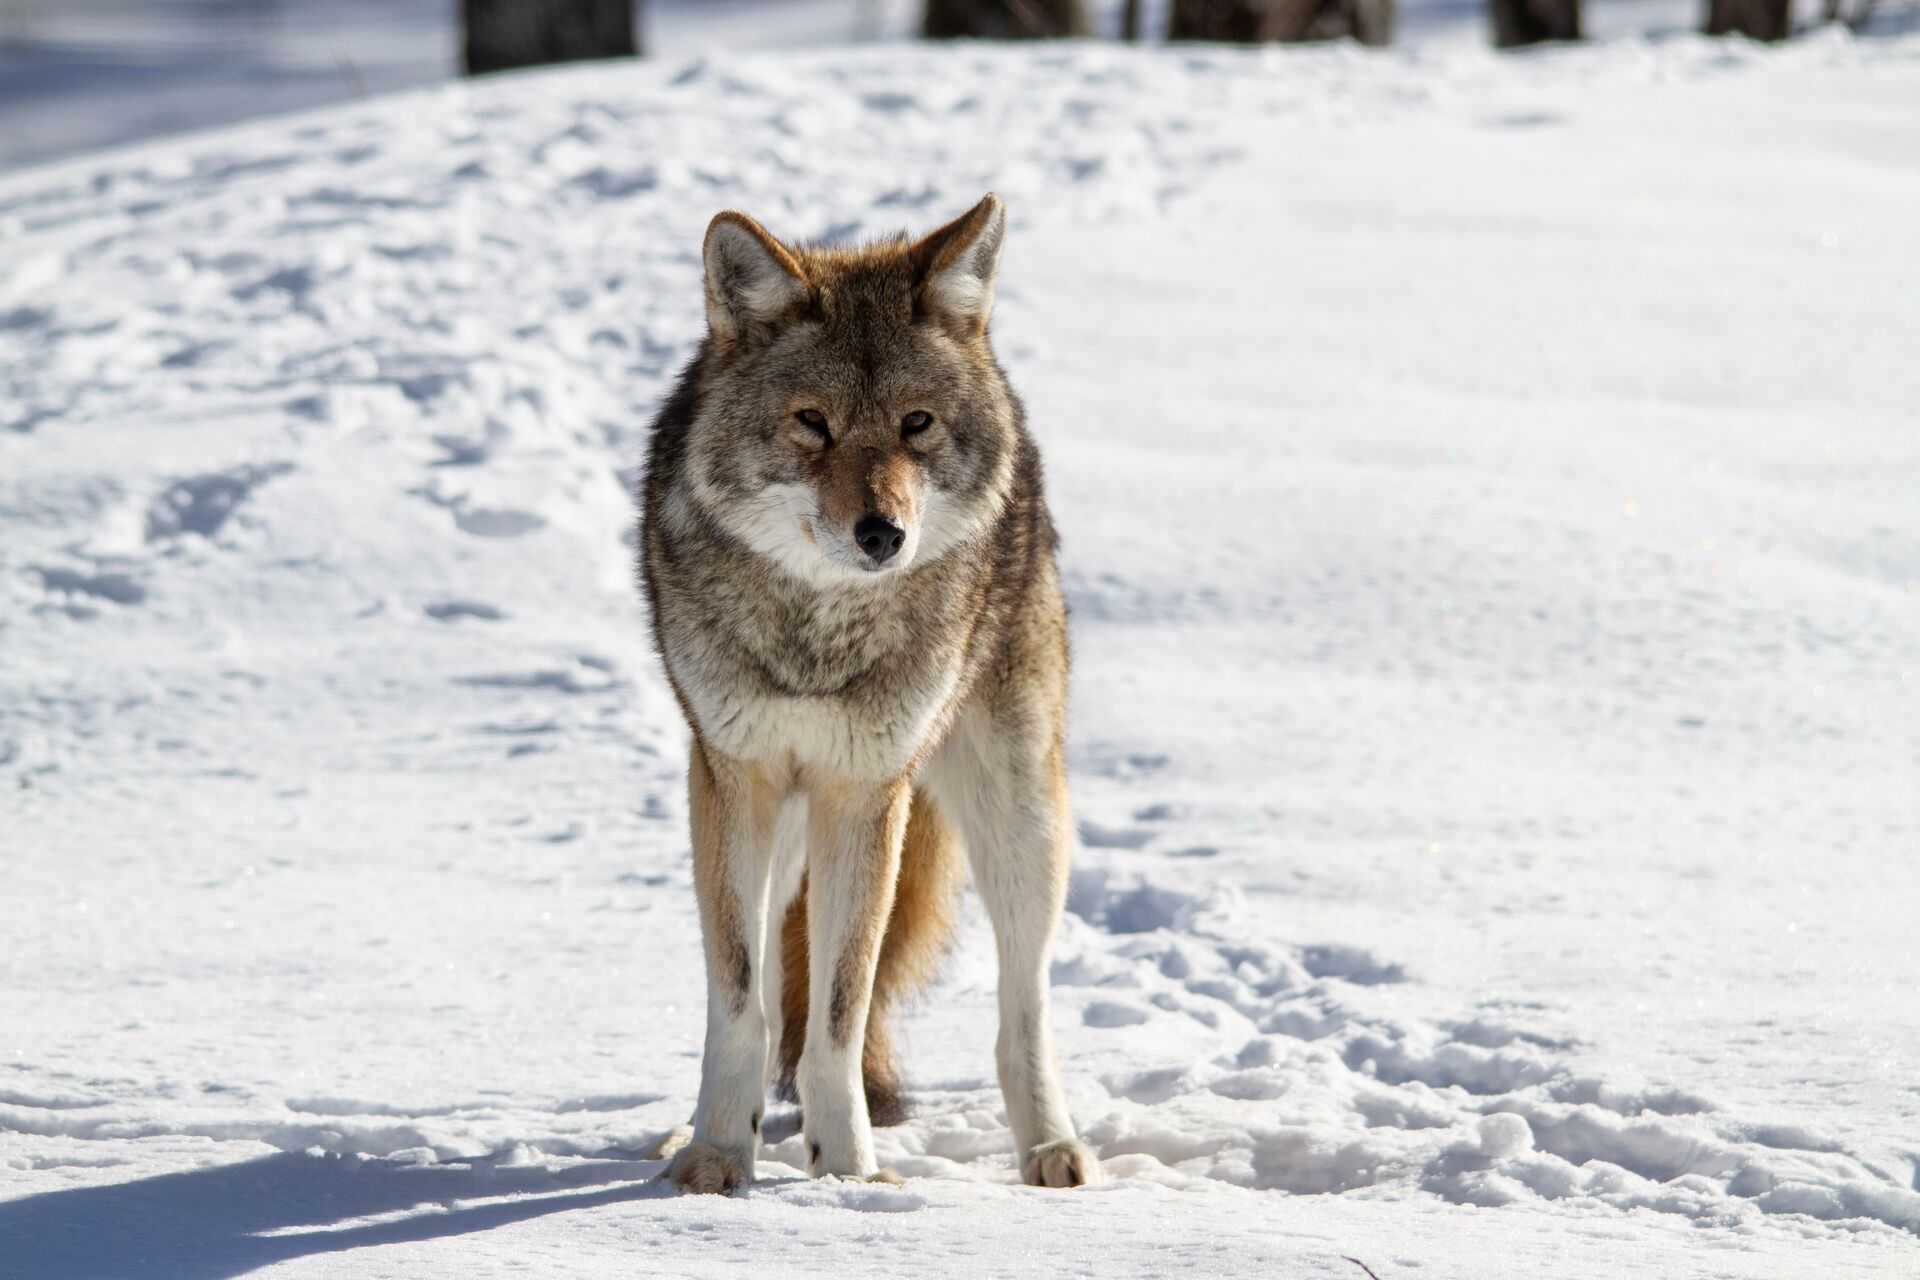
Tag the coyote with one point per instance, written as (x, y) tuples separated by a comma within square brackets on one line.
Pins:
[(851, 573)]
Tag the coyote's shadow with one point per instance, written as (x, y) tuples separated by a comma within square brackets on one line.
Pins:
[(232, 1219)]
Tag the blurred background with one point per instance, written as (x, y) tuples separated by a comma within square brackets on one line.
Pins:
[(76, 75)]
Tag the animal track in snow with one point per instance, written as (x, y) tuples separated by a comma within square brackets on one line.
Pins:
[(1307, 1090), (485, 522), (585, 673), (203, 504), (1350, 963), (489, 522), (1096, 836), (1113, 1013), (454, 610), (110, 585)]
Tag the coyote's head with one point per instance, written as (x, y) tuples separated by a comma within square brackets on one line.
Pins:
[(852, 419)]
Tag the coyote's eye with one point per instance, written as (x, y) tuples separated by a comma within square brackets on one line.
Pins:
[(814, 420), (916, 422)]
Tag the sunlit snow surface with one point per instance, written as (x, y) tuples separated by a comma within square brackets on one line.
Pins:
[(1491, 502)]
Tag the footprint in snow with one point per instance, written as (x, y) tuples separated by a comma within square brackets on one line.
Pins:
[(203, 504), (485, 522), (1112, 1013), (109, 585), (1351, 964), (454, 610), (1095, 836), (585, 674)]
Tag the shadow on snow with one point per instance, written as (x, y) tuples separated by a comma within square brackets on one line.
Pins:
[(232, 1219)]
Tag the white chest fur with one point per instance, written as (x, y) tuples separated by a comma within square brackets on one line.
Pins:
[(872, 736)]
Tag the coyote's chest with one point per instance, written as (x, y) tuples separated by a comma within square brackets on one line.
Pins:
[(852, 682), (822, 645)]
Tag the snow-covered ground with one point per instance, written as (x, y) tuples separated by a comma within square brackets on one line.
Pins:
[(1491, 495), (83, 74)]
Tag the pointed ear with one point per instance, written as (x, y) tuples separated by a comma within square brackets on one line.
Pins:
[(752, 280), (957, 265)]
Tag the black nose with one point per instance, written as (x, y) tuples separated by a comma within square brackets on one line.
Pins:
[(879, 536)]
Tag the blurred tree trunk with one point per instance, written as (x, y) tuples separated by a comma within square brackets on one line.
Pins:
[(1758, 19), (1130, 19), (1518, 22), (500, 34), (1252, 21), (1004, 19), (1854, 16)]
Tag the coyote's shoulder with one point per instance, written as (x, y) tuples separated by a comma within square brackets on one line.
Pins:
[(850, 567)]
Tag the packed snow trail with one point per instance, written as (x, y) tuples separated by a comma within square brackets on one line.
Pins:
[(1489, 492)]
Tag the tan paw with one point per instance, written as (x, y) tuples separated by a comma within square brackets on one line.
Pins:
[(672, 1144), (1066, 1163), (886, 1177), (707, 1170)]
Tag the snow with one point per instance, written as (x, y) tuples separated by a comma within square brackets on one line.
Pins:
[(1489, 495), (75, 76)]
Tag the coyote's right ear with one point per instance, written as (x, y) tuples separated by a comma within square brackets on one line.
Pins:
[(752, 281)]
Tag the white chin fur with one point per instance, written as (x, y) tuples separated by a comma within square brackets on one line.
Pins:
[(852, 562), (944, 525), (782, 524)]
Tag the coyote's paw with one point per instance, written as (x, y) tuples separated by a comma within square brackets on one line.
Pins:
[(672, 1143), (1066, 1163), (886, 1177), (705, 1169)]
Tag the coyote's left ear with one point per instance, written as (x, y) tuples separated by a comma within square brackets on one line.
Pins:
[(957, 264)]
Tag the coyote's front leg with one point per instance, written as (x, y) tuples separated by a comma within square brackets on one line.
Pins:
[(853, 855), (1020, 867), (1006, 784), (732, 807)]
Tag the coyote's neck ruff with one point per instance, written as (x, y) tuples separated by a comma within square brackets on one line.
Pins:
[(850, 566)]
